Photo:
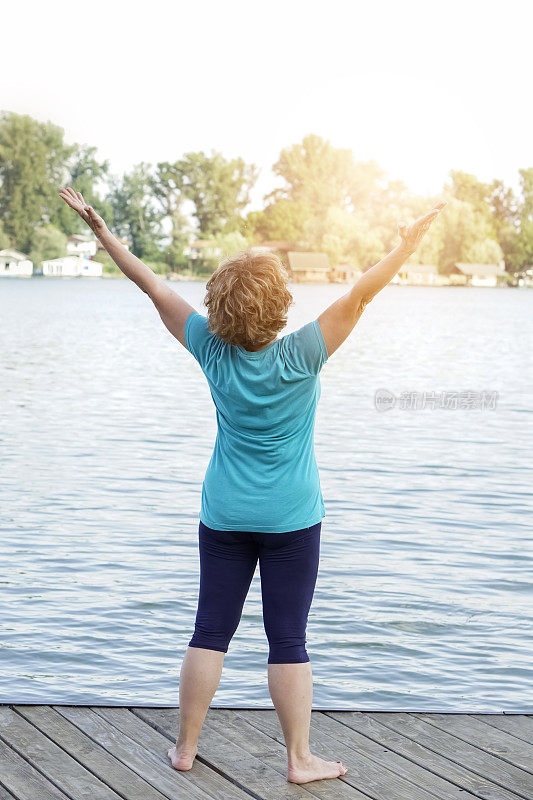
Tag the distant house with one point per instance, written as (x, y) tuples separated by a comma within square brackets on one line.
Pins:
[(14, 263), (345, 273), (477, 274), (80, 244), (72, 267), (420, 274), (313, 267), (202, 248)]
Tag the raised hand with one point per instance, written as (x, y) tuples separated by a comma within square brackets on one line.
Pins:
[(87, 213), (412, 234)]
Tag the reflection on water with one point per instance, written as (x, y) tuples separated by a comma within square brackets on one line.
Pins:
[(107, 425)]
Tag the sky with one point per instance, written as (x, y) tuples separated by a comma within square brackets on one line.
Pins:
[(419, 87)]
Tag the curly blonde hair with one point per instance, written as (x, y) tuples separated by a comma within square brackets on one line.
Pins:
[(247, 298)]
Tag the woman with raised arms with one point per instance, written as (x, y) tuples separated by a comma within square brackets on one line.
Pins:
[(261, 496)]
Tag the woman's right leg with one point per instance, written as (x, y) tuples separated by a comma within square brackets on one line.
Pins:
[(227, 565)]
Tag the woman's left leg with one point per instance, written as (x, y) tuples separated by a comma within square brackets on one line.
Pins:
[(200, 674), (289, 567), (227, 564), (288, 564)]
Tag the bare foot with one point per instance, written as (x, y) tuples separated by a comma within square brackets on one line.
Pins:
[(314, 768), (182, 757)]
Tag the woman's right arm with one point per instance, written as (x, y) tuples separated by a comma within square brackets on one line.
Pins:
[(340, 318), (172, 308)]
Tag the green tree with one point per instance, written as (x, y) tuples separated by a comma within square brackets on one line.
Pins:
[(219, 190), (522, 256), (230, 243), (83, 171), (4, 238), (136, 216), (345, 236), (32, 159), (331, 203), (316, 174), (168, 187), (506, 220), (282, 220), (47, 242), (466, 235), (469, 189)]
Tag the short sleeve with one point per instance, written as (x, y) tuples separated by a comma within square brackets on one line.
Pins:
[(198, 337), (306, 348)]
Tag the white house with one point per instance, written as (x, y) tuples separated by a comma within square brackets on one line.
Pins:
[(72, 267), (15, 263), (202, 248), (81, 244), (478, 274), (345, 273), (313, 267), (420, 274)]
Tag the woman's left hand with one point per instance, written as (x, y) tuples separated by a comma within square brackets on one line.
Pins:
[(412, 234)]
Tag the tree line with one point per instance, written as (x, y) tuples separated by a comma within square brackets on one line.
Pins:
[(327, 202)]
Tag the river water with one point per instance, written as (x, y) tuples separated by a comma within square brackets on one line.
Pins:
[(424, 592)]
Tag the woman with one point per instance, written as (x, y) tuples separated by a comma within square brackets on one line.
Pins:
[(261, 496)]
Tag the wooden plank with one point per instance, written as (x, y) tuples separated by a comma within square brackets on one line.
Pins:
[(107, 753), (54, 763), (23, 780), (154, 769), (492, 740), (234, 762), (433, 762), (274, 753), (398, 764), (153, 741), (364, 776), (374, 774), (500, 772), (519, 725), (126, 782)]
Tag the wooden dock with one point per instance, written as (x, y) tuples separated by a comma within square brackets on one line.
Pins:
[(119, 753)]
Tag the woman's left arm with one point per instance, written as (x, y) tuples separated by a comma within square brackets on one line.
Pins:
[(172, 308), (340, 318)]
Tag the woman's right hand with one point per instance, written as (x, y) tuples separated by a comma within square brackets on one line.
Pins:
[(87, 213)]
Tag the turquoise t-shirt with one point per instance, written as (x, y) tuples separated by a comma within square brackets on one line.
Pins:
[(263, 474)]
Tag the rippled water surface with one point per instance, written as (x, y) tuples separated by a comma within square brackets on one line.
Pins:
[(424, 593)]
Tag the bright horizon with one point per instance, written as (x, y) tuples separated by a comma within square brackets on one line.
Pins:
[(419, 89)]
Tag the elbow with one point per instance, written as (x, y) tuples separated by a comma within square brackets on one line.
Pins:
[(361, 307), (156, 290), (363, 301), (360, 297)]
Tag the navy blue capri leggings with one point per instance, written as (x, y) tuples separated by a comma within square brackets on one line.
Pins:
[(288, 564)]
